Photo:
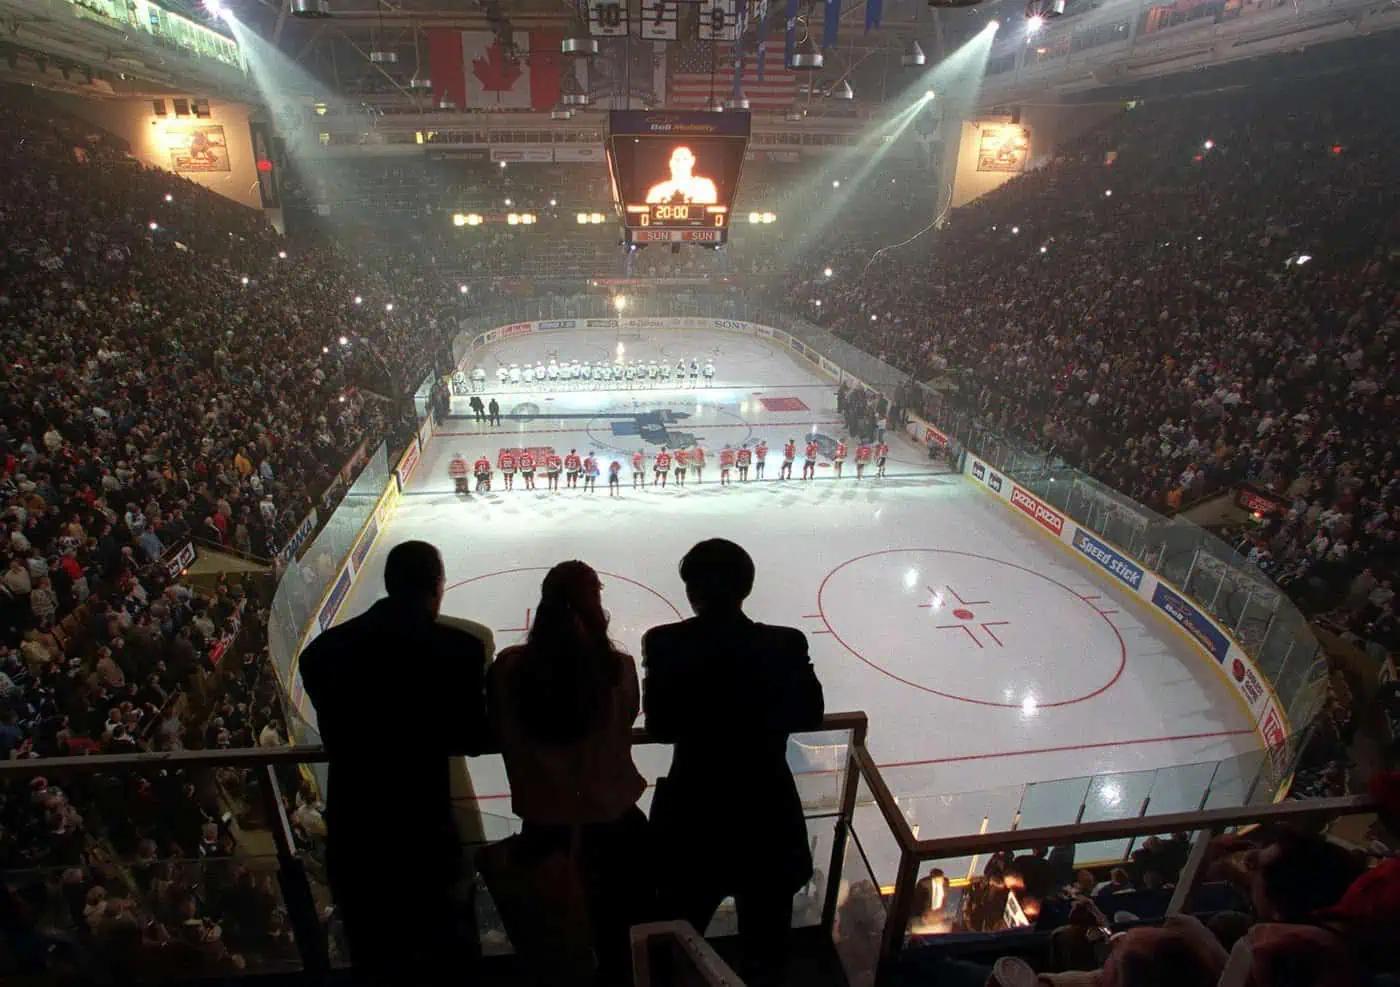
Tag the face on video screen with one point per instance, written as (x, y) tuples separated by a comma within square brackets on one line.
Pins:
[(676, 170)]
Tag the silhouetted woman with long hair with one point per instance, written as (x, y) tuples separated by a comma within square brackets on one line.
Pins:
[(563, 705)]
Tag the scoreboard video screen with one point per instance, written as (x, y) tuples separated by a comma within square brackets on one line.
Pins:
[(674, 173)]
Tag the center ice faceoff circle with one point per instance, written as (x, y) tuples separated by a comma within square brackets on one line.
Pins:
[(504, 601), (972, 628)]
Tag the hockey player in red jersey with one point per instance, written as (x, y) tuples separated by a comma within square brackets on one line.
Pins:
[(457, 469), (639, 465), (682, 462), (527, 469), (809, 460), (614, 475), (789, 454), (839, 459), (572, 465), (697, 460), (882, 453), (742, 458), (862, 458), (590, 472), (552, 467), (506, 464), (661, 467), (482, 469), (760, 457), (726, 463)]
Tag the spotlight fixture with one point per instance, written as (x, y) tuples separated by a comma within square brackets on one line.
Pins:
[(384, 57), (579, 47), (1034, 23), (795, 115), (311, 9), (561, 113), (806, 58), (446, 104), (420, 83), (842, 90), (913, 56), (740, 102), (575, 99)]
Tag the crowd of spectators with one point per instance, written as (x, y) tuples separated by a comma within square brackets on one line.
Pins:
[(175, 372), (1199, 293)]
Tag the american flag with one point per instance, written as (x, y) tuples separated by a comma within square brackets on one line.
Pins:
[(702, 70)]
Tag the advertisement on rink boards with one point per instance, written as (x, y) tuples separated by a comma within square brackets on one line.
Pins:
[(407, 464), (924, 433), (1238, 666)]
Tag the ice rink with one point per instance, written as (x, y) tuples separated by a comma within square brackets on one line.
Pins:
[(985, 654)]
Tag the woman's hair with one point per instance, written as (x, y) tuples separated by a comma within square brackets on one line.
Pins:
[(569, 666)]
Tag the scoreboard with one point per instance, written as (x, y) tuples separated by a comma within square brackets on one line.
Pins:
[(674, 173)]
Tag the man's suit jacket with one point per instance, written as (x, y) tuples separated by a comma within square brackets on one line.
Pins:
[(727, 692), (396, 697)]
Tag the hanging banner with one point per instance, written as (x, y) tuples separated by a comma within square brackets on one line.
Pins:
[(607, 19), (659, 20)]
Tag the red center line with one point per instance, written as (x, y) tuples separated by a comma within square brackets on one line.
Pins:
[(983, 757)]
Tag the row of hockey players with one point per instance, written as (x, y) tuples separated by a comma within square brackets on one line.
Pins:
[(679, 461), (578, 374)]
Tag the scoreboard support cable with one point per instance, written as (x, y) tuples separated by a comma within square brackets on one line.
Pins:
[(675, 173)]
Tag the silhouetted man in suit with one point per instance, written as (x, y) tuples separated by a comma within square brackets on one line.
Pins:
[(727, 691), (392, 852)]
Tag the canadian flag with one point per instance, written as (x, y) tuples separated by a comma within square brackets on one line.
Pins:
[(474, 70)]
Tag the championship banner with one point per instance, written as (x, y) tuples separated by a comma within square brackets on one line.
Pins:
[(607, 19), (659, 20), (831, 22), (790, 33)]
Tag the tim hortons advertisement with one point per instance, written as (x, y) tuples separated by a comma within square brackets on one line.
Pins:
[(517, 329), (1031, 506), (408, 464)]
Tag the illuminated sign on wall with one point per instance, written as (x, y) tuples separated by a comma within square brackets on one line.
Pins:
[(1003, 147), (197, 148)]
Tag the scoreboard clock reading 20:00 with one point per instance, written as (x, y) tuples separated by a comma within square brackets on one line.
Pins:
[(674, 173)]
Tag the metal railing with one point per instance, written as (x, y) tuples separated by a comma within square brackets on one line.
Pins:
[(828, 796), (868, 921)]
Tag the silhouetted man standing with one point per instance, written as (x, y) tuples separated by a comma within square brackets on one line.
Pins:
[(728, 819), (493, 413), (392, 852)]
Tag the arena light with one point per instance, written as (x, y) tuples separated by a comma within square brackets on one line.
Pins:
[(508, 202), (281, 255), (528, 218), (325, 349), (873, 317), (1209, 144), (769, 217), (1016, 230), (826, 272), (755, 218), (595, 217), (503, 166), (462, 289), (1034, 23), (1108, 193), (620, 302), (169, 197), (1044, 249), (459, 219), (582, 218), (817, 302), (243, 281), (929, 94), (344, 341), (554, 202), (388, 306), (836, 183), (358, 299), (513, 219), (474, 219), (153, 226)]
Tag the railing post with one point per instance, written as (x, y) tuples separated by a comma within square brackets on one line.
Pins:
[(898, 915), (291, 876), (1191, 872), (844, 824)]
